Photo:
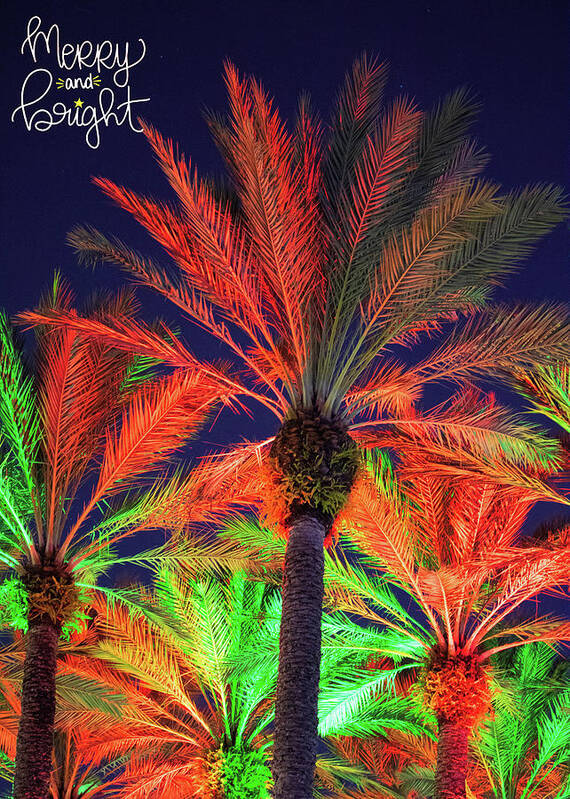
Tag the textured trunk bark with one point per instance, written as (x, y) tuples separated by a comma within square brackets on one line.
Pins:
[(35, 733), (452, 748), (295, 746)]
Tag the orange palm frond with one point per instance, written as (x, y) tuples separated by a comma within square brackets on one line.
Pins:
[(147, 775), (158, 419), (213, 254), (384, 528), (279, 221), (385, 392), (135, 336), (468, 424)]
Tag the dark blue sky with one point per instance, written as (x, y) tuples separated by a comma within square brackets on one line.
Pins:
[(511, 52)]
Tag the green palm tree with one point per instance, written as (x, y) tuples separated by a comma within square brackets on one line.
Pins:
[(79, 429), (520, 752), (196, 721), (197, 664), (324, 253)]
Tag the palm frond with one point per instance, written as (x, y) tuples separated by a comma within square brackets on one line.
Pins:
[(355, 115), (18, 416), (548, 388)]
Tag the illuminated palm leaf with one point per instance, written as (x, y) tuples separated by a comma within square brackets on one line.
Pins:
[(548, 388), (524, 747)]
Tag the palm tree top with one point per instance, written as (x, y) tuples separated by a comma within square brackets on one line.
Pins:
[(80, 430), (333, 244)]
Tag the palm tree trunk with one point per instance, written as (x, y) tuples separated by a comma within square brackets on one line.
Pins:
[(452, 748), (295, 747), (35, 733)]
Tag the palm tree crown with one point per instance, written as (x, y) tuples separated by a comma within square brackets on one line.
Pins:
[(454, 546), (326, 252), (196, 721)]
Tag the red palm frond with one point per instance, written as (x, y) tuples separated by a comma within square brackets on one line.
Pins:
[(78, 395), (159, 416), (207, 244), (158, 419), (498, 339), (483, 516), (219, 485), (546, 629), (162, 779), (468, 425), (280, 220), (386, 392), (137, 337)]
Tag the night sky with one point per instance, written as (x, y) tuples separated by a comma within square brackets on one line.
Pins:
[(512, 53)]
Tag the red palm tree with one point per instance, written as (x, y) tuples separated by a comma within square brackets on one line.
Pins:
[(323, 254), (454, 546), (519, 752), (78, 432)]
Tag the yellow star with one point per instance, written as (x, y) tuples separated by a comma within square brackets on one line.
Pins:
[(79, 103)]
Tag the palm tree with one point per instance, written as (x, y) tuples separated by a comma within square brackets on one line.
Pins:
[(324, 255), (453, 546), (83, 705), (520, 751), (78, 430), (197, 663), (196, 721)]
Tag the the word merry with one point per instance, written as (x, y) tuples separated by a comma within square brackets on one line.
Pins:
[(82, 55)]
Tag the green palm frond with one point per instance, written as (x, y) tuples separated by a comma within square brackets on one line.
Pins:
[(524, 746), (15, 513), (548, 388), (366, 705), (18, 410)]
